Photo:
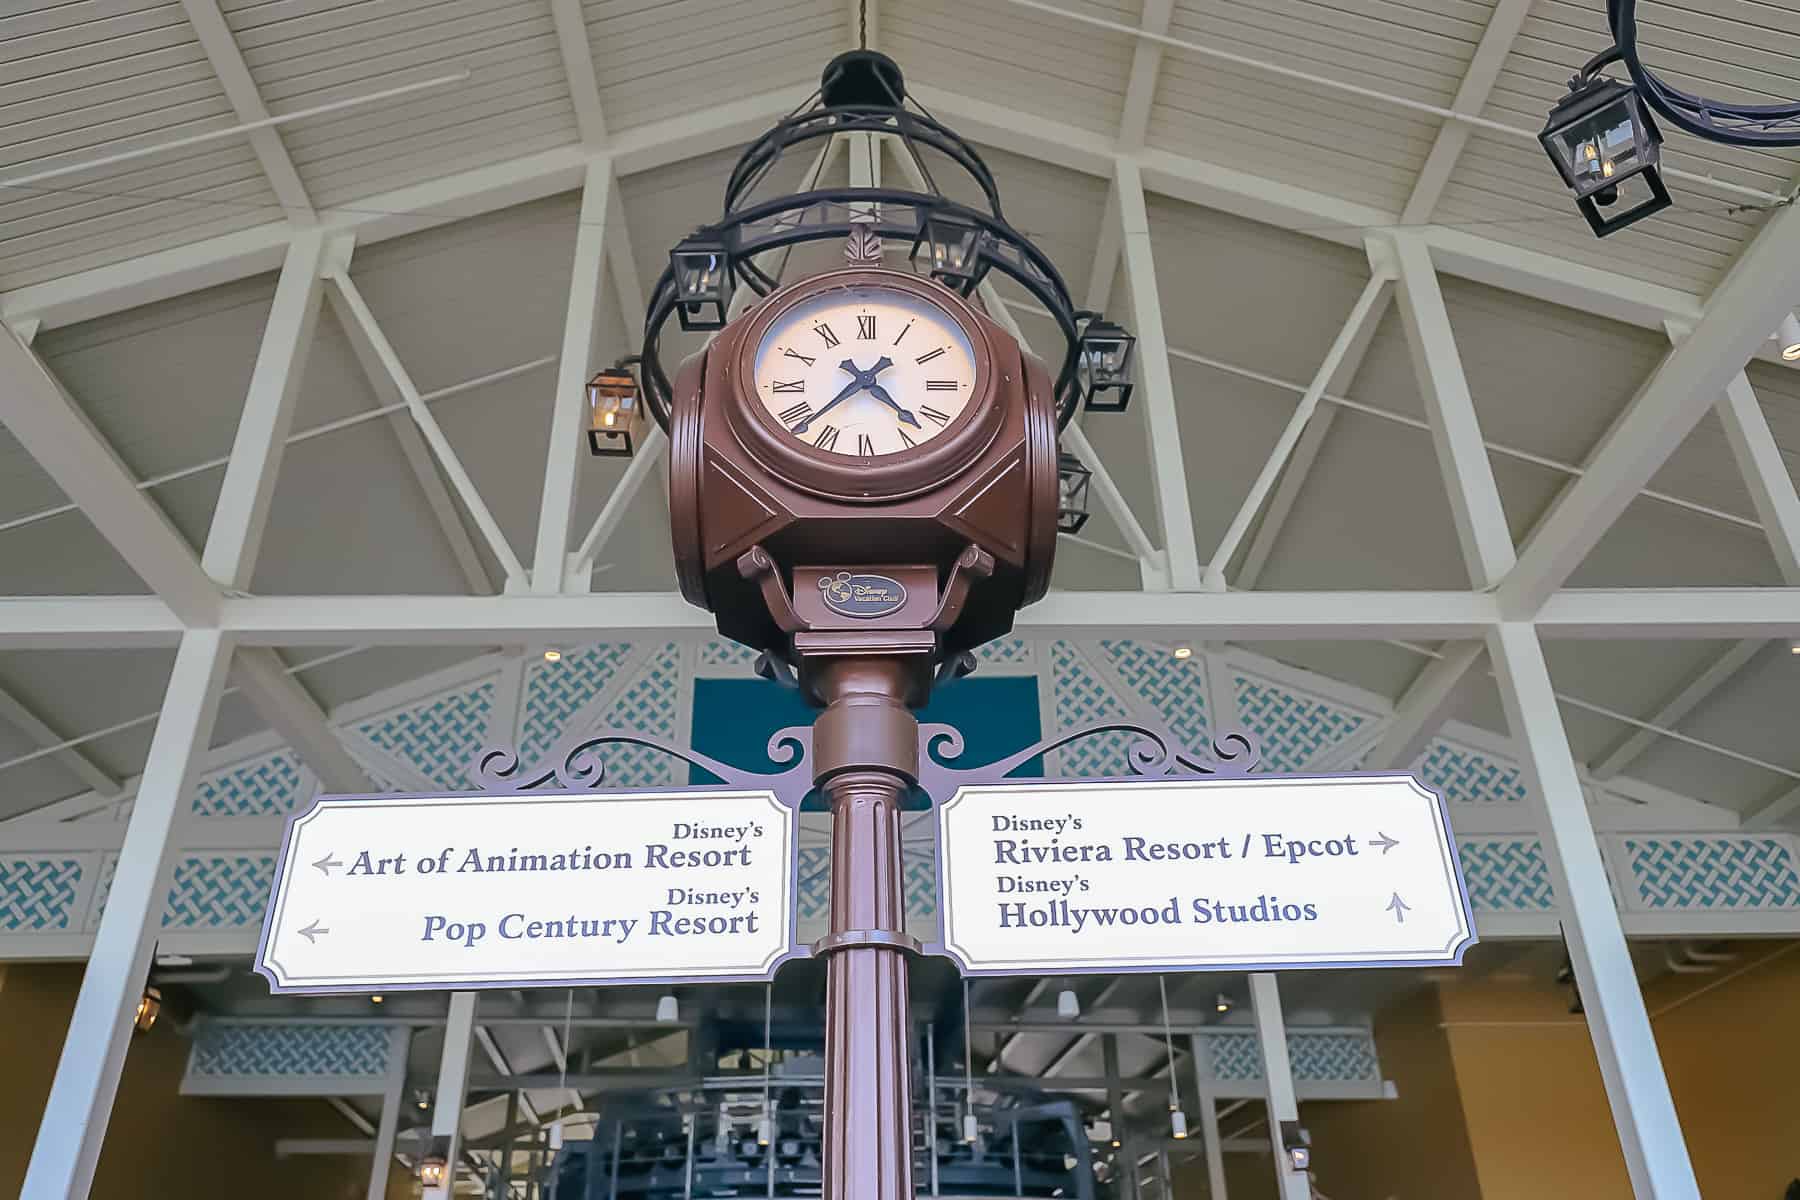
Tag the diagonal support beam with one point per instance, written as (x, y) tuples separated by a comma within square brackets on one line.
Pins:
[(282, 701), (1775, 811), (562, 462), (1481, 528), (1749, 303), (1146, 66), (1477, 85), (1162, 426), (15, 713), (578, 64), (1424, 708), (55, 432), (246, 101), (1691, 694)]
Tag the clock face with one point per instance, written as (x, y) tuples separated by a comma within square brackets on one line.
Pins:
[(865, 372)]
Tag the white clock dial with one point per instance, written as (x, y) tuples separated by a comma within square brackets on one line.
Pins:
[(865, 372)]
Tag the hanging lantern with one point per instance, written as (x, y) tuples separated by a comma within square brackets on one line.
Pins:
[(149, 1005), (949, 246), (1607, 150), (433, 1171), (1105, 365), (1072, 481), (615, 413), (702, 268)]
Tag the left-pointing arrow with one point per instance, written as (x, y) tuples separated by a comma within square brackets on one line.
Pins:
[(325, 864), (311, 932)]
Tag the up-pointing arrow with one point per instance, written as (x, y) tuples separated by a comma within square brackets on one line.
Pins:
[(311, 932), (1384, 841), (1397, 906), (325, 864)]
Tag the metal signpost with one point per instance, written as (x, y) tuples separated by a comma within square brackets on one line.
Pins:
[(387, 893)]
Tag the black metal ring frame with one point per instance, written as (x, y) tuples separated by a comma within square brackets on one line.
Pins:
[(1715, 120), (752, 229)]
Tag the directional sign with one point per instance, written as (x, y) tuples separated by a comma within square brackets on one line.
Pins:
[(386, 893), (1263, 873)]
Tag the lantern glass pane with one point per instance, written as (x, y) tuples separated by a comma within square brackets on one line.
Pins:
[(1604, 147), (698, 273), (949, 245)]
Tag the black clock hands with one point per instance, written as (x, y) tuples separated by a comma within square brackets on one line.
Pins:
[(861, 381), (850, 389), (880, 393)]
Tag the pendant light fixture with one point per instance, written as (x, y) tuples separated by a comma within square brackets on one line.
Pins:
[(1178, 1128)]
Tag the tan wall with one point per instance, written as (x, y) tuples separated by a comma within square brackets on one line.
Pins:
[(161, 1144)]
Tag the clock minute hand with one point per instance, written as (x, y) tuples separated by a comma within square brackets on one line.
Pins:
[(880, 393), (850, 389)]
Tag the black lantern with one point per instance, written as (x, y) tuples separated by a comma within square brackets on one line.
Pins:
[(950, 247), (1606, 148), (615, 413), (1072, 481), (1105, 365), (702, 270), (433, 1171)]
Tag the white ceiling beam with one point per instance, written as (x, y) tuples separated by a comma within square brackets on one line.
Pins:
[(242, 509), (1480, 519), (100, 622), (1352, 341), (1359, 330), (1146, 66), (578, 65), (1775, 811), (246, 101), (1672, 710), (1472, 95), (1740, 314), (1162, 425), (77, 761), (1423, 708), (563, 457), (1104, 273), (55, 432), (290, 710), (411, 442), (1765, 472)]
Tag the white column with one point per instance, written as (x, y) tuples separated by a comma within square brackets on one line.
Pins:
[(1209, 1118), (1161, 425), (1278, 1077), (562, 461), (1643, 1112), (93, 1054), (452, 1087), (392, 1097)]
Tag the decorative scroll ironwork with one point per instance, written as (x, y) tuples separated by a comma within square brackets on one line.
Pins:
[(576, 764), (1156, 752)]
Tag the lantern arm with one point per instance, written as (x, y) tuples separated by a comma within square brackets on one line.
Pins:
[(1766, 125)]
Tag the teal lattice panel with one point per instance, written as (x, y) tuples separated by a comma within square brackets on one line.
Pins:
[(1465, 776), (721, 653), (1175, 689), (37, 894), (1007, 651), (109, 864), (1293, 727), (556, 691), (219, 891), (1335, 1057), (1506, 875), (228, 1050), (439, 738), (814, 879), (921, 886), (1719, 872), (647, 705), (1082, 698), (267, 786)]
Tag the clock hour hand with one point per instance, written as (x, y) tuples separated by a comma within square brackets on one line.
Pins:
[(850, 389), (881, 394)]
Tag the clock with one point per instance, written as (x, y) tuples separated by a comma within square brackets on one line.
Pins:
[(867, 384)]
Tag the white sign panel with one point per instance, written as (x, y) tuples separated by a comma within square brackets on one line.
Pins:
[(388, 893), (1189, 874)]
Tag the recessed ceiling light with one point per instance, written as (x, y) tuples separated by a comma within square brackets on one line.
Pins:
[(376, 999), (1794, 647), (552, 655), (1184, 652), (1787, 336)]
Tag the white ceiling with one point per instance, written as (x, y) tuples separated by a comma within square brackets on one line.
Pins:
[(1250, 308)]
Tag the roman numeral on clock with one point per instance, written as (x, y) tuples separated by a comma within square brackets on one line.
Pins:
[(929, 355), (940, 385), (790, 352), (932, 414), (827, 439), (864, 446), (865, 328), (788, 385), (796, 414), (909, 442), (824, 331), (902, 332)]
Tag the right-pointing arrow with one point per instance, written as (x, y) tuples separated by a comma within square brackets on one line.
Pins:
[(1384, 841), (311, 932), (1397, 906)]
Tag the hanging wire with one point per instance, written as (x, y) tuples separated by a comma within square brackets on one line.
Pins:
[(969, 1130), (768, 1053), (1162, 987), (862, 24)]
